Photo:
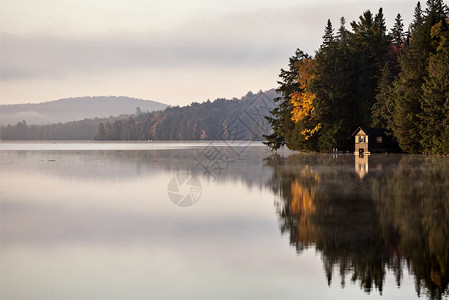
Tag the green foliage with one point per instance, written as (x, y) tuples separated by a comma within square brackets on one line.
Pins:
[(344, 83), (275, 139), (77, 130), (383, 108), (369, 46), (283, 128), (412, 114), (367, 77), (328, 36), (435, 101), (397, 32), (205, 121), (197, 121)]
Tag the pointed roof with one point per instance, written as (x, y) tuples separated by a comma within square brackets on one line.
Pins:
[(371, 131)]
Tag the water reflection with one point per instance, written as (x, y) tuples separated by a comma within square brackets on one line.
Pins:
[(393, 218), (126, 165), (367, 217), (99, 225), (361, 165)]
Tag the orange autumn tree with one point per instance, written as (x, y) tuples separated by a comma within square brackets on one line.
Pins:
[(302, 205), (303, 101)]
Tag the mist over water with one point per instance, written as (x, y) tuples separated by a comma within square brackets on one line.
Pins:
[(96, 220)]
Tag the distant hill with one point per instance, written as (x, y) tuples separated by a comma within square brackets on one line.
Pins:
[(72, 109), (222, 119)]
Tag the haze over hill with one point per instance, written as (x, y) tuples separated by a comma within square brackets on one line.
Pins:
[(222, 119), (72, 109)]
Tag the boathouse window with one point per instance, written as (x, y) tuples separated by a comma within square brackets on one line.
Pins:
[(379, 140), (361, 139)]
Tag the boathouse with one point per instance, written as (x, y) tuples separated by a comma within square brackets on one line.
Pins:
[(369, 140)]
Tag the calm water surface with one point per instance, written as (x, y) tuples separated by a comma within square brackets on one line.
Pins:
[(219, 221)]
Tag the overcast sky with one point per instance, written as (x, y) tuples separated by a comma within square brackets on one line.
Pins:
[(172, 51)]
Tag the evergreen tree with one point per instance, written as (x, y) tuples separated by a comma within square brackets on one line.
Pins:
[(399, 40), (328, 36), (408, 88), (283, 132), (417, 17), (435, 104), (369, 46), (333, 85), (436, 11), (380, 28), (397, 32), (342, 33), (383, 108), (367, 77)]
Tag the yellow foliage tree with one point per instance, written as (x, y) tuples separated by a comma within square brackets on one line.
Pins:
[(303, 206), (303, 100)]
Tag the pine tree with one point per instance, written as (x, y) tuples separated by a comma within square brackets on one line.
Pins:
[(328, 36), (417, 17), (370, 45), (397, 32), (382, 40), (333, 85), (280, 120), (383, 108), (398, 81), (435, 104), (379, 24), (436, 11), (342, 33), (408, 88)]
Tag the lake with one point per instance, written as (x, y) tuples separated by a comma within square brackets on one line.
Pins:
[(219, 220)]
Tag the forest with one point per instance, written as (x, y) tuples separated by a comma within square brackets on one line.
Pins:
[(395, 79), (222, 119), (77, 130), (236, 119)]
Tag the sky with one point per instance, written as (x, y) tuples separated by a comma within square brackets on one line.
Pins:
[(171, 51)]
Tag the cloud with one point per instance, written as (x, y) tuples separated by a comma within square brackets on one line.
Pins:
[(243, 38), (32, 56), (253, 40)]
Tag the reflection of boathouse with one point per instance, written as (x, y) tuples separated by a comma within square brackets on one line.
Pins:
[(369, 140), (372, 163), (361, 165)]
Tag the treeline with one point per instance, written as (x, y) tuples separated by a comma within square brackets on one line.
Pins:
[(71, 109), (369, 76), (239, 119), (222, 119), (76, 130)]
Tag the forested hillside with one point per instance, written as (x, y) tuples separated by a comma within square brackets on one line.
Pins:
[(369, 76), (243, 119), (222, 119)]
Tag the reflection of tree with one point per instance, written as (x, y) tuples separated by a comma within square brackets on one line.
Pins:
[(298, 193), (396, 216), (414, 200)]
